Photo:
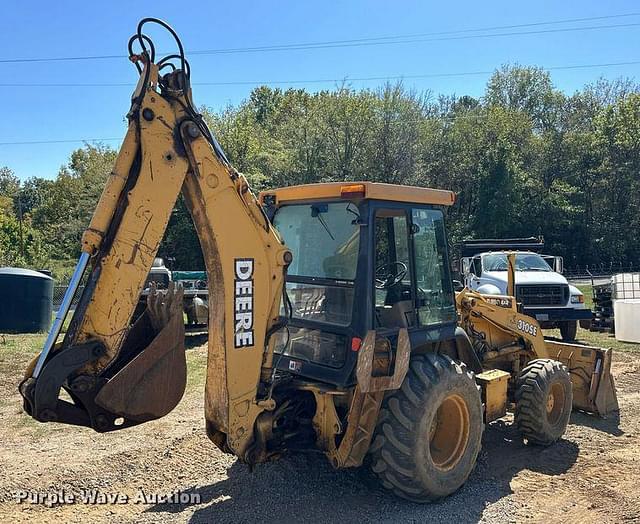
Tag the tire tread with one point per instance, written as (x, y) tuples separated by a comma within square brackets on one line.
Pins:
[(392, 456)]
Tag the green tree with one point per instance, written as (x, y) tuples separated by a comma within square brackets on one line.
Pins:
[(20, 244), (9, 183)]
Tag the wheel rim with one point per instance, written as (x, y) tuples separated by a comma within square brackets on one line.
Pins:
[(555, 403), (449, 432)]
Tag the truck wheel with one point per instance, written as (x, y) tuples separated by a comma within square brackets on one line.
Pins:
[(429, 432), (568, 330), (544, 398)]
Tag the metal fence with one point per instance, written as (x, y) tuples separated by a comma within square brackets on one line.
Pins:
[(600, 270), (58, 294)]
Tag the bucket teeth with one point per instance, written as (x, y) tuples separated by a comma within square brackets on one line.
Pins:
[(163, 305)]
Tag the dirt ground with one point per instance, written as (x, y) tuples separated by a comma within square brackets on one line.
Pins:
[(592, 475)]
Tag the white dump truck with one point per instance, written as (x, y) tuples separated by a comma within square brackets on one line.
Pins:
[(195, 294), (159, 274), (539, 286)]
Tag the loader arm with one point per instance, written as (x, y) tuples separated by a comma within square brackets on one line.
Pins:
[(119, 374), (501, 335)]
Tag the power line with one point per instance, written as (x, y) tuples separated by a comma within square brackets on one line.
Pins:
[(69, 141), (381, 40), (438, 33), (327, 80), (409, 40)]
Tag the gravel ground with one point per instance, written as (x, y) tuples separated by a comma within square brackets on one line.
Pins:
[(592, 475)]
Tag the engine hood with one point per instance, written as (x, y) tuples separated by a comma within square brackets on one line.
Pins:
[(527, 277)]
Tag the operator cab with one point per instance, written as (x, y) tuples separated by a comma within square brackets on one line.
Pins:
[(366, 256)]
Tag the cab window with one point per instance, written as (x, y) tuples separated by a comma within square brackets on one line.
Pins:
[(394, 305), (324, 239), (435, 299)]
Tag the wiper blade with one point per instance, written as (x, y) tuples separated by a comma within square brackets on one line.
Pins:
[(324, 224)]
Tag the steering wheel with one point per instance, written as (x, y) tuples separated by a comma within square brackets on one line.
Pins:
[(388, 275)]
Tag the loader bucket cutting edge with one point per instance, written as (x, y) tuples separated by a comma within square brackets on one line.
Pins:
[(594, 389)]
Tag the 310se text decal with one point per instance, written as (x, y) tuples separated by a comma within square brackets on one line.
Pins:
[(527, 328)]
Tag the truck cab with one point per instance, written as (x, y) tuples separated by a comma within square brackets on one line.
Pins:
[(541, 289), (159, 274)]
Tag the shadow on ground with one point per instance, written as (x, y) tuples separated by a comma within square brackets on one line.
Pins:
[(306, 488), (194, 341), (610, 425)]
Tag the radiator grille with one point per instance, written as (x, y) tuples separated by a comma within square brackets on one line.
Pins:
[(540, 295)]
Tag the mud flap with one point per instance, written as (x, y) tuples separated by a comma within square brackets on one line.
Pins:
[(367, 400), (151, 384), (594, 389)]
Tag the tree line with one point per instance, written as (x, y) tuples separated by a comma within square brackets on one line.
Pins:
[(524, 159)]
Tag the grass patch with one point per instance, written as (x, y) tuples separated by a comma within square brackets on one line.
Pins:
[(12, 345), (594, 338), (605, 340), (588, 295), (16, 351), (196, 369)]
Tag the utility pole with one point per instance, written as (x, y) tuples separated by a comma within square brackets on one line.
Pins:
[(20, 225)]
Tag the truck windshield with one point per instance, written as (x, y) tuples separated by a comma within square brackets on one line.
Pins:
[(323, 238), (524, 262)]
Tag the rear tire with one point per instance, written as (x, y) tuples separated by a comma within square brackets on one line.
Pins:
[(429, 431), (568, 330), (544, 398)]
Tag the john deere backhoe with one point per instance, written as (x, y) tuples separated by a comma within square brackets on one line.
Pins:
[(332, 319)]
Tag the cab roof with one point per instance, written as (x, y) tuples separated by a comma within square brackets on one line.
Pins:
[(358, 191)]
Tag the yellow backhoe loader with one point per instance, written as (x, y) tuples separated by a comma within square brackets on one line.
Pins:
[(332, 318)]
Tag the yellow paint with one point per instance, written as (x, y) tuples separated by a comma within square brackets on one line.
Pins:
[(372, 190), (230, 225)]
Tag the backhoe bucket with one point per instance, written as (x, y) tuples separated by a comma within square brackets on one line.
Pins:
[(151, 384), (145, 381), (594, 390)]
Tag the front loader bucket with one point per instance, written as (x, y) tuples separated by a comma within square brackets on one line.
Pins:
[(594, 389)]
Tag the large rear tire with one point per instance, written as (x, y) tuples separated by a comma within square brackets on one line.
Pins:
[(430, 430), (544, 398)]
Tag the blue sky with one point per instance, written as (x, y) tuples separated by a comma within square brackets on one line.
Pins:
[(81, 28)]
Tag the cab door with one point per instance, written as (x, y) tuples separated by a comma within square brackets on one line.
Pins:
[(390, 282), (435, 301), (393, 285), (412, 283)]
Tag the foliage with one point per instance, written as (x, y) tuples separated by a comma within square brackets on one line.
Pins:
[(525, 159), (20, 246)]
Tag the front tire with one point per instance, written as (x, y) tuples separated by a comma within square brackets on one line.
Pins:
[(429, 431), (544, 398), (568, 330)]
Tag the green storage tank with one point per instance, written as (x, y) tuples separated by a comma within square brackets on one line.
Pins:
[(26, 300)]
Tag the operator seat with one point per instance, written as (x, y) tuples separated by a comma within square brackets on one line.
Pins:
[(398, 309), (396, 315)]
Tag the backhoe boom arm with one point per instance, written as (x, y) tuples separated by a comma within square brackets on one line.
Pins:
[(120, 374)]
